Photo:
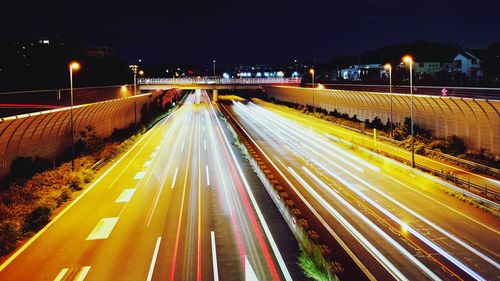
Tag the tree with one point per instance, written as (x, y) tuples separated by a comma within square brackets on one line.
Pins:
[(91, 141), (490, 63)]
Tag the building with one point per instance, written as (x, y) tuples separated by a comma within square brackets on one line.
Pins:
[(360, 72), (430, 68), (468, 63)]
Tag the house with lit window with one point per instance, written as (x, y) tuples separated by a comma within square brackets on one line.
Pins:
[(468, 63), (430, 68)]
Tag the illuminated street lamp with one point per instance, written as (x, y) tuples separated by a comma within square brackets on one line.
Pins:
[(408, 59), (73, 66), (134, 68), (214, 66), (388, 67), (312, 75)]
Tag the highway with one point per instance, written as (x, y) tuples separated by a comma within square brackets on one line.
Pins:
[(393, 220), (176, 206), (364, 140)]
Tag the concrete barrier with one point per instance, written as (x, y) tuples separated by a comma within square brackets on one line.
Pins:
[(47, 134), (477, 121)]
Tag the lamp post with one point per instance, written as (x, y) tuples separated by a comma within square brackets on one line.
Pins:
[(214, 66), (312, 75), (388, 67), (73, 66), (134, 68), (408, 59)]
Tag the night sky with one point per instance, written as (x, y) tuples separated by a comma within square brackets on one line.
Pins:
[(252, 31)]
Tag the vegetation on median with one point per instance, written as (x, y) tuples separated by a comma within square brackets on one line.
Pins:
[(314, 259), (37, 187)]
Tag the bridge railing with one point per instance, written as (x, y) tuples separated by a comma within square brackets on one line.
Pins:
[(222, 81)]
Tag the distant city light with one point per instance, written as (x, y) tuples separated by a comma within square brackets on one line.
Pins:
[(225, 75)]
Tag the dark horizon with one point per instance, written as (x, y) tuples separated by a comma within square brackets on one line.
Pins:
[(252, 32)]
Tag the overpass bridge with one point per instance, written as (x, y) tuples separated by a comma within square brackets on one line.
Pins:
[(213, 83)]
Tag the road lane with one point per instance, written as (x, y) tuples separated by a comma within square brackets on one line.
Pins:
[(420, 226), (152, 214)]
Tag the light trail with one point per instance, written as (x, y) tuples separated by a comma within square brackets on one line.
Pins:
[(355, 233), (269, 236), (286, 130), (177, 236), (198, 263), (293, 132)]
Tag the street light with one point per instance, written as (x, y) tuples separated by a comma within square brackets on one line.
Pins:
[(312, 75), (134, 68), (214, 66), (73, 66), (408, 59), (388, 67)]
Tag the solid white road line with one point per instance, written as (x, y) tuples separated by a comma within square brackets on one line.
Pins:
[(182, 146), (214, 256), (61, 274), (139, 175), (125, 195), (249, 272), (82, 273), (175, 177), (208, 176), (153, 259), (103, 229)]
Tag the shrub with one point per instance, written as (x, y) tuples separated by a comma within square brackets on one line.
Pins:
[(37, 219), (22, 168), (91, 141), (88, 178), (8, 238), (314, 265), (76, 183), (455, 145)]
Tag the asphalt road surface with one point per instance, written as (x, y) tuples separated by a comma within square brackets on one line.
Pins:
[(380, 209), (176, 206)]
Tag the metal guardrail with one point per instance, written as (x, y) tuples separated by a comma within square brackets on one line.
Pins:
[(223, 81), (466, 185)]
